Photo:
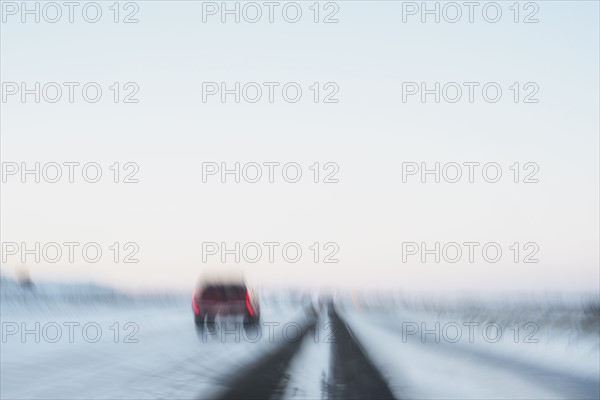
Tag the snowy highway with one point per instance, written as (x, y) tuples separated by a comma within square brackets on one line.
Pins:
[(148, 350)]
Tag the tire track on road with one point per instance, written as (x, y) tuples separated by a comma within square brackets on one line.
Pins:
[(353, 374), (266, 378)]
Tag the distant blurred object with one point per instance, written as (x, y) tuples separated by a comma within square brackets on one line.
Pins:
[(24, 278), (592, 309)]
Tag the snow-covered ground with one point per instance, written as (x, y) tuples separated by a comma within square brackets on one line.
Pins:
[(308, 372), (510, 350), (156, 354)]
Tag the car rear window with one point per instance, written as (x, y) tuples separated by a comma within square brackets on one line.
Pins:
[(224, 293)]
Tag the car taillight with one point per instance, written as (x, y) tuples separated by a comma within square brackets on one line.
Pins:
[(194, 305), (248, 306)]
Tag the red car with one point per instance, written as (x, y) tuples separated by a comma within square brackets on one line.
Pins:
[(224, 299)]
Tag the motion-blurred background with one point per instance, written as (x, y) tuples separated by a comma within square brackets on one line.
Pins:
[(369, 264)]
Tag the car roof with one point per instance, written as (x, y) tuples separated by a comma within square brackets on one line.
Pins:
[(221, 278)]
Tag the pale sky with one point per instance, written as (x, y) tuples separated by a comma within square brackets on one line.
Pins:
[(369, 133)]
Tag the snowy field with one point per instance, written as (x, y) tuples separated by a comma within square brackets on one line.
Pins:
[(479, 353)]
